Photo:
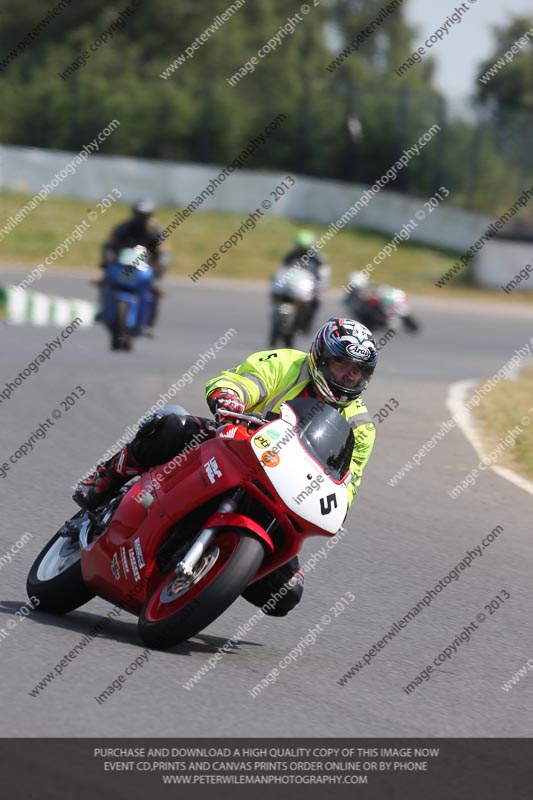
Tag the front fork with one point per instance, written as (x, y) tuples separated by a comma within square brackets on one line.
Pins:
[(186, 566)]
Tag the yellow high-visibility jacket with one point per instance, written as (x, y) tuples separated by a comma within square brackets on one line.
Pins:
[(268, 378)]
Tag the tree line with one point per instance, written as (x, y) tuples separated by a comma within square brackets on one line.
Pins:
[(164, 69)]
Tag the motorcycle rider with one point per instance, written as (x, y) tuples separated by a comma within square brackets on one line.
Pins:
[(377, 305), (303, 256), (140, 229), (336, 370), (357, 291)]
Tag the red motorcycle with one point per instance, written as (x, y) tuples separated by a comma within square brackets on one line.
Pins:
[(180, 543), (380, 307)]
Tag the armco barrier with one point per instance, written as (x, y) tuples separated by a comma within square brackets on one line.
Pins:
[(26, 169)]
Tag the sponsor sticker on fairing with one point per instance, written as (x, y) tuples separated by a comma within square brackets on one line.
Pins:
[(212, 470), (270, 459), (136, 573), (230, 433), (139, 553), (115, 567), (124, 562)]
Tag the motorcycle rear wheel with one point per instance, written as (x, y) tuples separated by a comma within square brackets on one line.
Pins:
[(181, 607)]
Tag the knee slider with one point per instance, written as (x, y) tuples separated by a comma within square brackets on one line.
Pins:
[(293, 595), (294, 590), (276, 594)]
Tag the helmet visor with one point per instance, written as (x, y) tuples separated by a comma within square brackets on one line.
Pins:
[(346, 378), (345, 373)]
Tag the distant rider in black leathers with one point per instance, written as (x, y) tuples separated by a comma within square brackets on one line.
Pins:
[(140, 229)]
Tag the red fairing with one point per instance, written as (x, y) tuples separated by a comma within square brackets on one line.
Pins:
[(233, 432), (130, 544), (229, 520), (121, 564)]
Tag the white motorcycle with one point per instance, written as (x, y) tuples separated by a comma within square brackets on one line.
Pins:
[(293, 302)]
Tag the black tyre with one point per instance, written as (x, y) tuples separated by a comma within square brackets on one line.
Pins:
[(55, 578), (180, 608), (273, 338), (411, 323), (287, 320), (120, 338), (275, 328)]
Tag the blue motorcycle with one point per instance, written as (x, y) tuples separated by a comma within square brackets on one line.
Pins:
[(127, 297)]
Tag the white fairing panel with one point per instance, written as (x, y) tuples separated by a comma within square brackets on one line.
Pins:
[(299, 480), (297, 283)]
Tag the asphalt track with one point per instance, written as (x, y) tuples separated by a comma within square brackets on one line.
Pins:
[(401, 541)]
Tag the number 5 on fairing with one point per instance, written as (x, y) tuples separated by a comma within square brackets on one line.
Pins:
[(327, 504)]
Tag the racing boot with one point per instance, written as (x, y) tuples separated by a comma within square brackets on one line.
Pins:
[(104, 483)]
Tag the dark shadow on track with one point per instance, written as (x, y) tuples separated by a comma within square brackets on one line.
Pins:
[(120, 631)]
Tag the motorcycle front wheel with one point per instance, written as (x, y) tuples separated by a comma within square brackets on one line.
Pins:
[(182, 606), (55, 578), (283, 324), (411, 323), (120, 338)]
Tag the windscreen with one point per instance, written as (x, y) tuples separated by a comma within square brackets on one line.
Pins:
[(325, 434)]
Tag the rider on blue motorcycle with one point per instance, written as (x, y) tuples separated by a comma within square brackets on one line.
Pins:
[(139, 230)]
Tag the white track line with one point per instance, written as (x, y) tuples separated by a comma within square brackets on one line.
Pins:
[(458, 394)]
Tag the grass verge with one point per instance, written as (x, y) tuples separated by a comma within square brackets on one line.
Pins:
[(500, 412), (414, 267)]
